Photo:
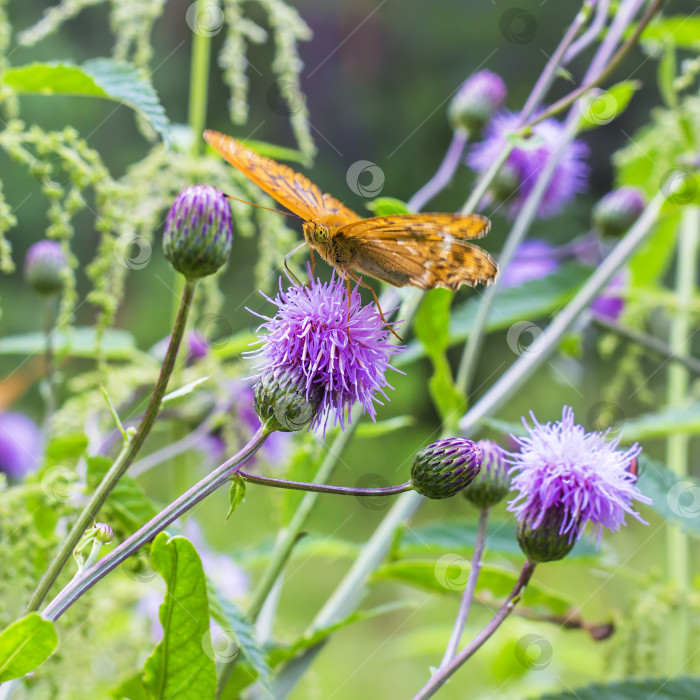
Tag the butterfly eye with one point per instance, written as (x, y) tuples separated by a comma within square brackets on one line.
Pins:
[(321, 234)]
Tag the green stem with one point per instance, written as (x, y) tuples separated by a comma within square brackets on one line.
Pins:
[(123, 461), (210, 483), (199, 82), (49, 367), (677, 446), (323, 488)]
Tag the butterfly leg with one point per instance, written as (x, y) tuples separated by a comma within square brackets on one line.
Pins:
[(292, 276), (376, 301)]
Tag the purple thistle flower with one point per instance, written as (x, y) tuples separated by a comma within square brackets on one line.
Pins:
[(197, 346), (527, 161), (476, 100), (20, 445), (533, 260), (610, 304), (336, 348), (44, 267), (564, 473)]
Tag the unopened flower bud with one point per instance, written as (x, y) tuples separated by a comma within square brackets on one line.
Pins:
[(506, 184), (476, 101), (445, 467), (492, 482), (198, 232), (618, 210), (45, 266), (545, 541), (103, 533), (283, 402)]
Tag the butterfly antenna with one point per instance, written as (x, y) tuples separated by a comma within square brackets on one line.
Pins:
[(260, 206)]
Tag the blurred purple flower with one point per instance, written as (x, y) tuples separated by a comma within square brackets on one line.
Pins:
[(476, 100), (577, 476), (197, 346), (615, 213), (336, 345), (20, 445), (610, 304), (533, 260), (528, 160)]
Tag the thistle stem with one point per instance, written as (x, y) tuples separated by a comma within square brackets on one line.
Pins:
[(210, 483), (323, 488), (49, 368), (199, 80), (468, 595), (444, 173), (677, 446), (443, 673), (123, 461)]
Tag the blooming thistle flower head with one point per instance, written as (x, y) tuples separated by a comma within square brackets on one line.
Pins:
[(492, 482), (566, 478), (618, 210), (445, 467), (528, 159), (476, 101), (198, 232), (45, 266), (20, 445), (329, 346)]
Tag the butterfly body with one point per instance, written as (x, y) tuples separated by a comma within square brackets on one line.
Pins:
[(423, 250)]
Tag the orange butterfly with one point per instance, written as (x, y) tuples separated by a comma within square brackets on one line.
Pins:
[(423, 250)]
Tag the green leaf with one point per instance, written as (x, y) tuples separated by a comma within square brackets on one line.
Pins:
[(600, 107), (98, 77), (676, 499), (234, 345), (653, 257), (236, 494), (682, 30), (388, 206), (384, 427), (64, 447), (656, 688), (233, 620), (179, 668), (680, 420), (25, 645), (127, 506), (131, 689), (79, 342), (530, 301), (450, 572), (272, 150), (184, 390), (667, 75)]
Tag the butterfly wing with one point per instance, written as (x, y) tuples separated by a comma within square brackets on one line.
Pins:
[(291, 189), (423, 250)]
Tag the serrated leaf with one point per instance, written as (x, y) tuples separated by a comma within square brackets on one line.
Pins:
[(127, 505), (600, 107), (179, 667), (236, 494), (384, 427), (79, 342), (678, 420), (230, 617), (184, 390), (676, 499), (388, 206), (98, 77), (449, 574), (658, 689), (25, 645)]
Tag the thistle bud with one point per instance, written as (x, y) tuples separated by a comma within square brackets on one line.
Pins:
[(618, 210), (476, 101), (506, 184), (283, 402), (45, 266), (198, 232), (103, 533), (545, 541), (442, 469), (492, 482)]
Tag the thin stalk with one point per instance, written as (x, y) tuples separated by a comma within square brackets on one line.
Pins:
[(123, 461), (468, 595), (484, 182), (210, 483), (433, 685), (677, 446), (444, 173), (49, 367), (199, 80), (323, 488), (519, 372)]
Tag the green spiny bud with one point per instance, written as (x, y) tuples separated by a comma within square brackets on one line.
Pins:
[(544, 541), (618, 210), (492, 482), (476, 101), (198, 232), (45, 267), (445, 467)]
